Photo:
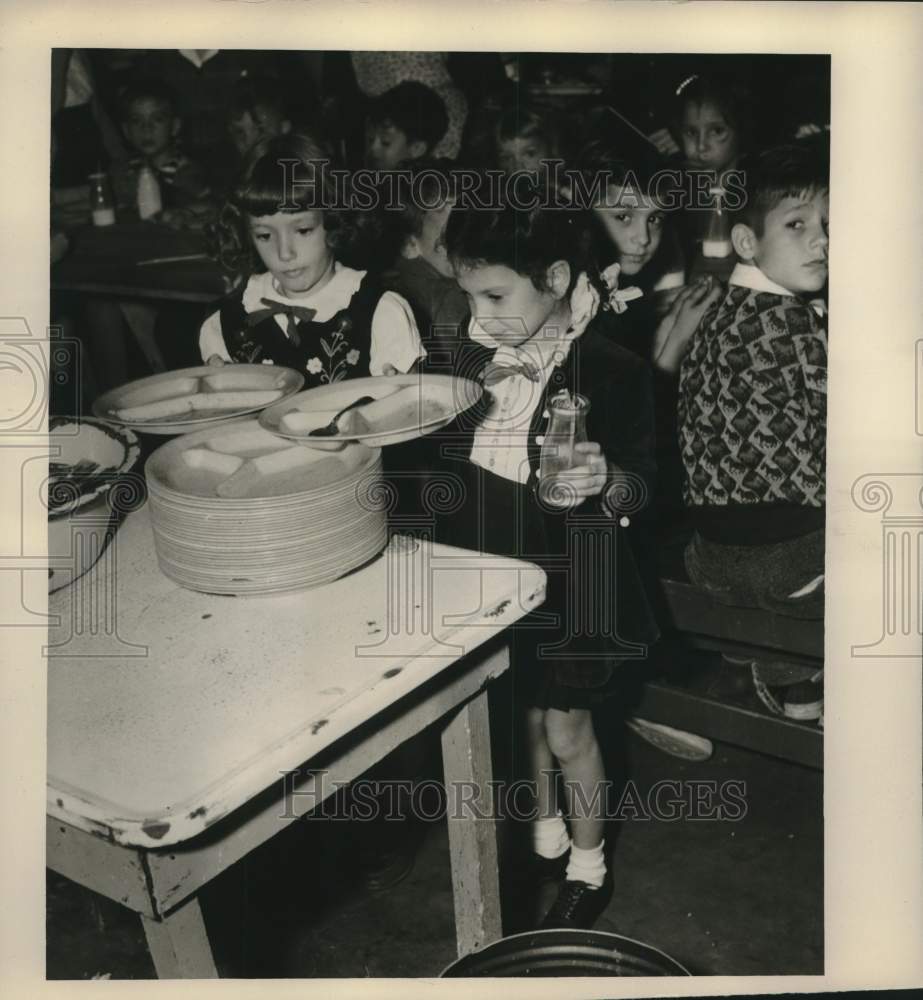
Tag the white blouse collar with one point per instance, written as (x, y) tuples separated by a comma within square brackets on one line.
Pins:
[(345, 281)]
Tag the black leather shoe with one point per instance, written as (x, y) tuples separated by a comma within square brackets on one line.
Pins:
[(548, 869), (578, 905)]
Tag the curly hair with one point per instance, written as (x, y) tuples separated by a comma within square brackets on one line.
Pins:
[(528, 241), (287, 173)]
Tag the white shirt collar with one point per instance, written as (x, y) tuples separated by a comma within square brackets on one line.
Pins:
[(750, 276), (198, 57), (541, 350)]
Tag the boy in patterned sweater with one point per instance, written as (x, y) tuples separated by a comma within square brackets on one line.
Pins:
[(752, 404)]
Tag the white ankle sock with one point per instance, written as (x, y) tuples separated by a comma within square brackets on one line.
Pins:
[(587, 865), (549, 837)]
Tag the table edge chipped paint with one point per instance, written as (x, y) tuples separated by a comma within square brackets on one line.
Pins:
[(184, 821)]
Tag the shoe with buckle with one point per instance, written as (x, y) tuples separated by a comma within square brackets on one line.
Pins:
[(578, 905)]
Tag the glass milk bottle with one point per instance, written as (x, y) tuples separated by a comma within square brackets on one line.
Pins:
[(102, 207), (566, 428), (717, 241), (149, 202)]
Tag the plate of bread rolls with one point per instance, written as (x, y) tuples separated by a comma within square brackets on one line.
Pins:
[(401, 407), (194, 398)]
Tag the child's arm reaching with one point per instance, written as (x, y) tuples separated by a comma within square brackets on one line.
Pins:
[(396, 345), (211, 342), (676, 328)]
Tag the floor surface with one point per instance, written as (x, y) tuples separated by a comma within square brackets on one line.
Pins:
[(723, 896)]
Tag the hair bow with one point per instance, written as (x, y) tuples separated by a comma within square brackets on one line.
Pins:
[(619, 297), (292, 313)]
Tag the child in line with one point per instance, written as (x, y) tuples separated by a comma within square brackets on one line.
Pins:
[(752, 405), (640, 258), (259, 110), (151, 126), (404, 124), (712, 122), (420, 270), (300, 306), (524, 137), (536, 329)]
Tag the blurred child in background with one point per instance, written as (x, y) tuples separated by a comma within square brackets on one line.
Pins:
[(151, 125), (420, 270), (403, 124), (259, 110)]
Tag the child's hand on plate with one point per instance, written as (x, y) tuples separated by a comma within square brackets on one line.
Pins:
[(388, 369), (588, 479), (216, 361)]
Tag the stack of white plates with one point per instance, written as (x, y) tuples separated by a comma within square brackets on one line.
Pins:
[(328, 520)]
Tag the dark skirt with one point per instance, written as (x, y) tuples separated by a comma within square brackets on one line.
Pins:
[(565, 653)]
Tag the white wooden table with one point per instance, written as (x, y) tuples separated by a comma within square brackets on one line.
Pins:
[(180, 724)]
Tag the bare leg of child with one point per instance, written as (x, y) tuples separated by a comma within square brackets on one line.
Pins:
[(586, 891), (572, 740), (542, 765)]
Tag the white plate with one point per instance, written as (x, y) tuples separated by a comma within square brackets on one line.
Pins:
[(405, 407), (183, 382)]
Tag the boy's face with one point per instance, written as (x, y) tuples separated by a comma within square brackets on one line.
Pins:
[(793, 248), (252, 127), (522, 154), (150, 127), (387, 146), (709, 142), (507, 306), (634, 223), (293, 246), (428, 244)]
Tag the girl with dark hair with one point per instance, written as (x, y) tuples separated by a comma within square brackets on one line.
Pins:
[(286, 226), (712, 121), (538, 341)]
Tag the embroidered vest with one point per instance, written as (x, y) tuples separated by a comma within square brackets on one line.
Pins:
[(336, 349)]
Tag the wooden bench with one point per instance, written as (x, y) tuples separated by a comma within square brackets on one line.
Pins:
[(696, 621)]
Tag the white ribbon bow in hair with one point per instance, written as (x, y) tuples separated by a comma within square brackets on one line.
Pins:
[(619, 297), (584, 303)]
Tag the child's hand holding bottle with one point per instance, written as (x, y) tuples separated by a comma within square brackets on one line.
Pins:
[(568, 489), (571, 468)]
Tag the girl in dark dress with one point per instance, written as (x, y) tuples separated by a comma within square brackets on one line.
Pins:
[(538, 329)]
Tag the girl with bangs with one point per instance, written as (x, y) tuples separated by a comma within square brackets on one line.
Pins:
[(300, 306)]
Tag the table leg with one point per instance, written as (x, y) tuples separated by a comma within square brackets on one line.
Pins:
[(179, 943), (472, 841), (141, 319)]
